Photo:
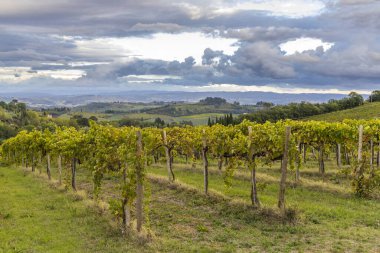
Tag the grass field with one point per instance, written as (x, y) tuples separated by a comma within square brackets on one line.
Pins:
[(197, 119), (328, 218), (37, 218), (366, 111)]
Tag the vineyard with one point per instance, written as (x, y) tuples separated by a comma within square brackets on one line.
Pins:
[(130, 156)]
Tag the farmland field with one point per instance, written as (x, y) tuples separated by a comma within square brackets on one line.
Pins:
[(196, 119)]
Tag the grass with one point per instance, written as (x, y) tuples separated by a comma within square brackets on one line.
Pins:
[(366, 111), (182, 219), (37, 218)]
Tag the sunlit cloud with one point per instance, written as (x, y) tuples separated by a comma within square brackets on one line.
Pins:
[(160, 46), (148, 78), (291, 8), (304, 44), (20, 74), (272, 88)]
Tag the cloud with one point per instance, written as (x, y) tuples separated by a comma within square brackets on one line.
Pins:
[(292, 8), (159, 46), (275, 89), (301, 45), (67, 43), (260, 33), (157, 28), (21, 74)]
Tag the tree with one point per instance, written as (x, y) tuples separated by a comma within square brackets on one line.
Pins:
[(158, 122), (356, 99), (213, 101), (375, 96), (93, 118)]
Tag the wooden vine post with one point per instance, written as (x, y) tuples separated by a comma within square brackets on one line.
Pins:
[(372, 155), (304, 147), (126, 212), (73, 173), (252, 165), (48, 166), (40, 162), (139, 182), (378, 156), (360, 145), (33, 164), (59, 162), (359, 170), (284, 166), (346, 156), (169, 164), (321, 159), (338, 155), (298, 160), (205, 161)]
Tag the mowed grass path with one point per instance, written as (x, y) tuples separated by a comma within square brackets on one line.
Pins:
[(37, 218), (328, 211)]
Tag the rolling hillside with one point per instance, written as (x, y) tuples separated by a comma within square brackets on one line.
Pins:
[(366, 111), (173, 112)]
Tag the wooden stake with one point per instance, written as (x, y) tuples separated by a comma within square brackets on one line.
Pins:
[(304, 147), (298, 159), (73, 173), (372, 155), (139, 183), (321, 160), (252, 165), (339, 157), (48, 166), (205, 161), (360, 146), (169, 160), (60, 169), (378, 156), (33, 164), (125, 207), (284, 166)]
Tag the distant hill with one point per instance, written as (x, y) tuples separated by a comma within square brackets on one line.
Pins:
[(209, 105), (366, 111), (204, 106), (55, 99), (115, 107)]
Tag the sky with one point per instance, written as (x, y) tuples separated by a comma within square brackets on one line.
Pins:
[(294, 46)]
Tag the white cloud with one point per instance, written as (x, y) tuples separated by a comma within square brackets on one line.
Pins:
[(160, 46), (304, 44), (85, 63), (269, 88), (64, 74), (289, 8), (20, 74), (148, 78)]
